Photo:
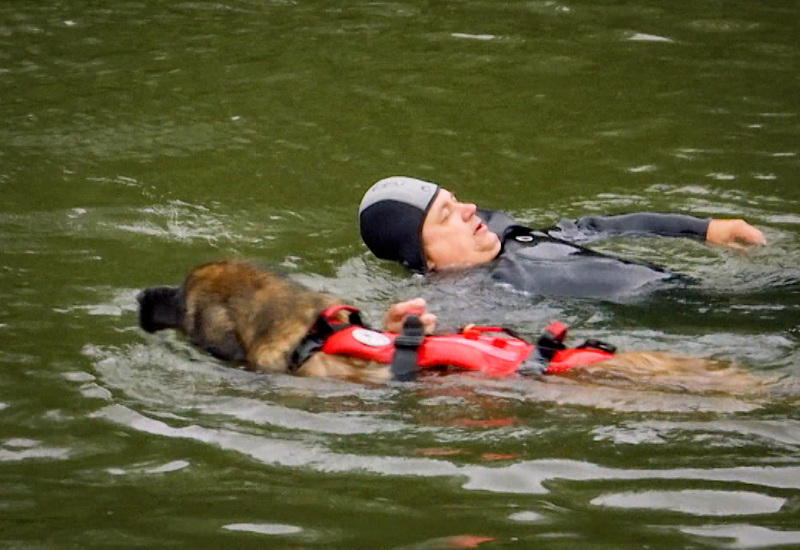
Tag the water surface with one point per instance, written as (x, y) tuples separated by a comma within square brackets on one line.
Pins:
[(141, 138)]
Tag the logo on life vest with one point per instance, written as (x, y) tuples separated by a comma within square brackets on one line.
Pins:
[(371, 338), (523, 238)]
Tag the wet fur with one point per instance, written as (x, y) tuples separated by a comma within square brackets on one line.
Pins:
[(662, 371), (243, 314), (246, 315)]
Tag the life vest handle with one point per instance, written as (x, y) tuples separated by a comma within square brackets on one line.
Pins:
[(476, 330), (329, 313), (404, 365)]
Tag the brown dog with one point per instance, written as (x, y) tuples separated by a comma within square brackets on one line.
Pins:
[(240, 313), (246, 315)]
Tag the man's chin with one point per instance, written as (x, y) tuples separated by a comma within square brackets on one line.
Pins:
[(490, 245)]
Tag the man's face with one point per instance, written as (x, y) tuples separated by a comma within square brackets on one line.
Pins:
[(454, 237)]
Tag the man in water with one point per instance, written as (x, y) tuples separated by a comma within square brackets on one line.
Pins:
[(425, 228)]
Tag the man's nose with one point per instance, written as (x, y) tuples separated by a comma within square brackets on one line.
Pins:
[(468, 210)]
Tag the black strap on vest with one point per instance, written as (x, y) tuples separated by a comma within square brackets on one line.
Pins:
[(404, 361), (313, 341), (552, 340), (591, 343)]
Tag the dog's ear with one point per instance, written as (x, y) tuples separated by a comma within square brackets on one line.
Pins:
[(160, 308)]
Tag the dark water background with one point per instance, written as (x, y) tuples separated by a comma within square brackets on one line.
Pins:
[(141, 138)]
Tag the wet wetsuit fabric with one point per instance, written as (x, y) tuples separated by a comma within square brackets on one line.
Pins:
[(550, 262)]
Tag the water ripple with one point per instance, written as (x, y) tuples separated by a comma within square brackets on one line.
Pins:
[(264, 528), (525, 477), (694, 502), (745, 536)]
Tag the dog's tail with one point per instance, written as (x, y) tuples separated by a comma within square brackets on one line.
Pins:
[(160, 307)]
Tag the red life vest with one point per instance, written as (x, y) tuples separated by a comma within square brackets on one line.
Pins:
[(489, 350)]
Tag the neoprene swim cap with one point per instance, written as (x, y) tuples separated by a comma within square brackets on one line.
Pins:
[(391, 216)]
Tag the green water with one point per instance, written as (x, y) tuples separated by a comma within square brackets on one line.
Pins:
[(141, 138)]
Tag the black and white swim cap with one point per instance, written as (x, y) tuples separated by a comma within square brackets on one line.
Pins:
[(391, 216)]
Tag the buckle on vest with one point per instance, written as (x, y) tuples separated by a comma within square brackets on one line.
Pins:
[(551, 340)]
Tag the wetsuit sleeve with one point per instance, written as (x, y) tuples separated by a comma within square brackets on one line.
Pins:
[(664, 225)]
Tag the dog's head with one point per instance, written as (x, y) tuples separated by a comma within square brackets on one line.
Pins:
[(160, 308)]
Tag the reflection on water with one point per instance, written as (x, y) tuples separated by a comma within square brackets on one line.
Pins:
[(520, 477), (17, 450), (701, 503), (264, 528), (744, 536)]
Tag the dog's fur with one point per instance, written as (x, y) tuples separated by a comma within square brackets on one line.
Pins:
[(253, 317), (250, 316)]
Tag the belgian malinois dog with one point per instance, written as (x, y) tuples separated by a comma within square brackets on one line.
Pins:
[(255, 318), (249, 316)]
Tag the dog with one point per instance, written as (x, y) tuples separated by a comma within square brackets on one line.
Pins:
[(252, 317), (255, 318)]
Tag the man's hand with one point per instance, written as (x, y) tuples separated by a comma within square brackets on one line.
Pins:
[(733, 233), (397, 313)]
